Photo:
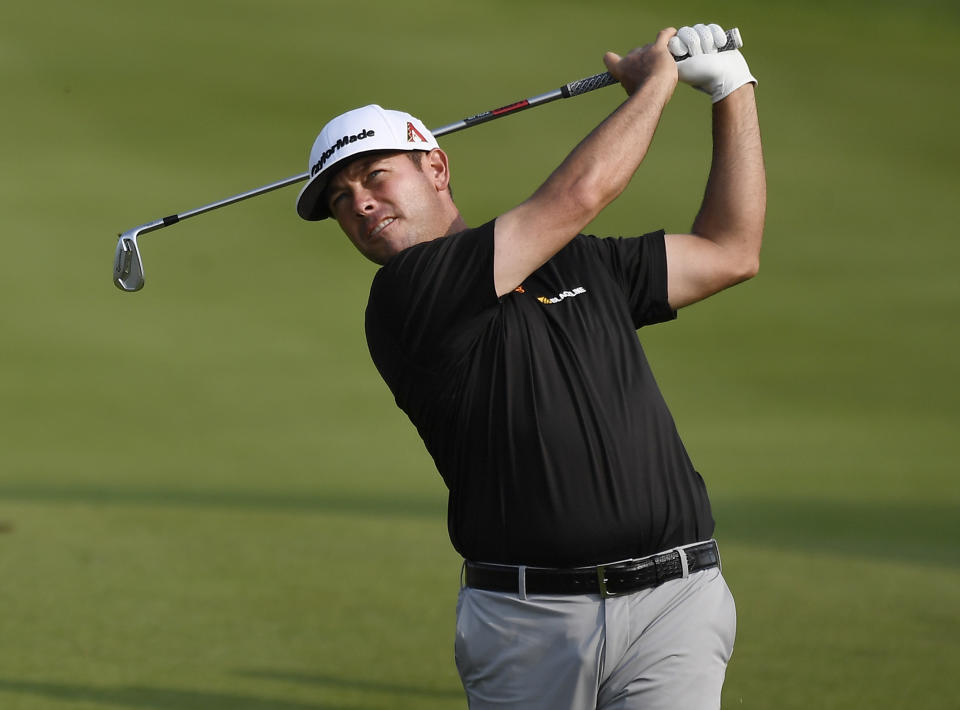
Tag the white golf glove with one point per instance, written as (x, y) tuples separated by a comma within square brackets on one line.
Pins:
[(713, 72)]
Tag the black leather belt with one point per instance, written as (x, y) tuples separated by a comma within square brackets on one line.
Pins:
[(606, 580)]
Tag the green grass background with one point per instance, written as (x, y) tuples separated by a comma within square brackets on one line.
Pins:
[(207, 497)]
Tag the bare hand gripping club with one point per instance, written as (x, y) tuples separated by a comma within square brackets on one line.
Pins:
[(128, 266)]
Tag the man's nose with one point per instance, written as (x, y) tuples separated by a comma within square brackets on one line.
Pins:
[(363, 201)]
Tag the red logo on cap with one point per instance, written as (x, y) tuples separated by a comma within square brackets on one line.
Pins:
[(413, 134)]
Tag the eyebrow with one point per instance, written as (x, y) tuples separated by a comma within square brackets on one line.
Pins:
[(363, 162)]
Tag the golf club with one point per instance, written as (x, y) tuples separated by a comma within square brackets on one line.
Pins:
[(128, 266)]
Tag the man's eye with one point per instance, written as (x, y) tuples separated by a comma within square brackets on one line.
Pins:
[(374, 174)]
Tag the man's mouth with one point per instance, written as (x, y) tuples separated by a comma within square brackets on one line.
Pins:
[(381, 226)]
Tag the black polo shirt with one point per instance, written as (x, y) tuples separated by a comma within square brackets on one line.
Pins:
[(539, 408)]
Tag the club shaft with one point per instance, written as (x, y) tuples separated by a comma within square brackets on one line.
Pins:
[(442, 131), (173, 219), (566, 91)]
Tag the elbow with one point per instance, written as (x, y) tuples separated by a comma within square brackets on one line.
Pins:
[(749, 267), (579, 192), (745, 261), (581, 205), (586, 197), (740, 266)]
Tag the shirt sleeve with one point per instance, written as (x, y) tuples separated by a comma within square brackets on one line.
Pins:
[(639, 265), (430, 298)]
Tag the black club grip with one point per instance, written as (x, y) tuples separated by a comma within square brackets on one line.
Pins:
[(591, 83), (598, 81)]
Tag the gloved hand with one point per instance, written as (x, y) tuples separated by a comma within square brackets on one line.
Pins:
[(715, 73)]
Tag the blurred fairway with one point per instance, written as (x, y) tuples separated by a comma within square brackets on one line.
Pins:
[(207, 497)]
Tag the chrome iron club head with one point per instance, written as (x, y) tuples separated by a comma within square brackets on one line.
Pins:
[(127, 265)]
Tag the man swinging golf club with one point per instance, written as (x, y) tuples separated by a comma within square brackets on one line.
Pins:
[(590, 576)]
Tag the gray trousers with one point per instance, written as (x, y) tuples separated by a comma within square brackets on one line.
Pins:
[(659, 649)]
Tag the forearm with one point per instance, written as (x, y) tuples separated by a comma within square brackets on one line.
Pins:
[(734, 204)]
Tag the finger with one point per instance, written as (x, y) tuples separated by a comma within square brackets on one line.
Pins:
[(611, 60), (691, 39), (664, 35), (706, 38), (677, 47), (719, 36)]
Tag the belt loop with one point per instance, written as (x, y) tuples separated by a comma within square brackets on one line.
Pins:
[(522, 581), (684, 564), (716, 548), (463, 569)]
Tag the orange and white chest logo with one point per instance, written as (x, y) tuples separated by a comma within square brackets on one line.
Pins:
[(562, 295)]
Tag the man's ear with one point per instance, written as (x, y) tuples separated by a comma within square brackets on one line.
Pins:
[(437, 167)]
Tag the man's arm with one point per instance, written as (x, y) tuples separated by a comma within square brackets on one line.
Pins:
[(594, 174), (724, 246)]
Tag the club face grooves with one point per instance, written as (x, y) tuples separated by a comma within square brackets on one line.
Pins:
[(127, 266)]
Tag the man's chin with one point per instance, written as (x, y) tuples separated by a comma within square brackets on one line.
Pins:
[(383, 248), (381, 255)]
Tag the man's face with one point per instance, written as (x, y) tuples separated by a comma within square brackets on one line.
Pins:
[(385, 203)]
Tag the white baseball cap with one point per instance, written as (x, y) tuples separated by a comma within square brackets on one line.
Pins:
[(363, 130)]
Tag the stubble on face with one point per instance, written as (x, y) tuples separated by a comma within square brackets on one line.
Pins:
[(387, 202)]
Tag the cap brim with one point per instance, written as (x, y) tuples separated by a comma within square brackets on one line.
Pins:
[(310, 204)]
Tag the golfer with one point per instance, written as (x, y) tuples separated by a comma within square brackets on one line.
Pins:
[(590, 579)]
